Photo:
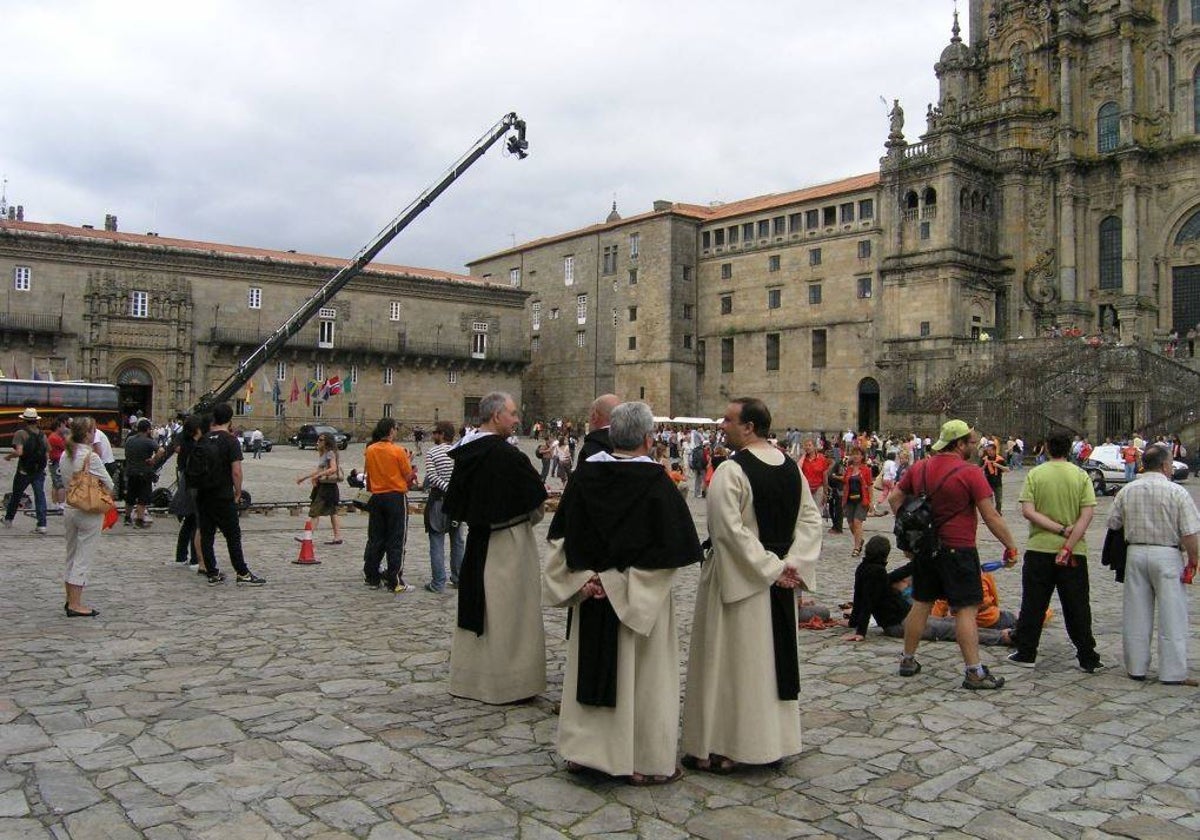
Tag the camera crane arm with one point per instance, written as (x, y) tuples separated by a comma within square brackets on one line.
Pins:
[(246, 369)]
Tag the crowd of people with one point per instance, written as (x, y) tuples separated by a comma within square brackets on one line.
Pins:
[(623, 529)]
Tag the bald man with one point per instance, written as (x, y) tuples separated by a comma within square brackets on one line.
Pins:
[(598, 422)]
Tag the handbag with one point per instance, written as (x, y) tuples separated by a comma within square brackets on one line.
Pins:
[(1114, 552), (86, 493)]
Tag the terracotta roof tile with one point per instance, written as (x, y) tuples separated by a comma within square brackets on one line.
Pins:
[(265, 254), (707, 213)]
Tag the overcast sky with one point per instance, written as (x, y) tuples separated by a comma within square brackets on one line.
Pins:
[(310, 125)]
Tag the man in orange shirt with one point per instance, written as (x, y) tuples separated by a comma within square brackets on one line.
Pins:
[(389, 475), (815, 466), (1129, 454)]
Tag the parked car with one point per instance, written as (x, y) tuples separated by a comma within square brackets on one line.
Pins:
[(308, 434), (1106, 468), (267, 443)]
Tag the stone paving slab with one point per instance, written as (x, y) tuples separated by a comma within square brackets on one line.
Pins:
[(315, 708)]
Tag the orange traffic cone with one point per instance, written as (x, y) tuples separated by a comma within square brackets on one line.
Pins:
[(307, 556)]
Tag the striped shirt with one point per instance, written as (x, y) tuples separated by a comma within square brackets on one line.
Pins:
[(1154, 511), (438, 466)]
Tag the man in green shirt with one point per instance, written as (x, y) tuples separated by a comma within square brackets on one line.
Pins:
[(1058, 500)]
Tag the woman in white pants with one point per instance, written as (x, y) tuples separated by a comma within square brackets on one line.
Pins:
[(83, 529)]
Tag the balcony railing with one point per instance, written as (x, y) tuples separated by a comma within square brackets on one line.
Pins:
[(34, 323), (413, 346)]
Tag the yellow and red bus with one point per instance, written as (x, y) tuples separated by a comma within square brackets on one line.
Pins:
[(55, 399)]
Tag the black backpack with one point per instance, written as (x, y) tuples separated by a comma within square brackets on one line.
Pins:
[(33, 454), (203, 467), (916, 527), (696, 458)]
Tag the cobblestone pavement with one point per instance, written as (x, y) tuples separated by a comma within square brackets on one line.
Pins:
[(314, 707)]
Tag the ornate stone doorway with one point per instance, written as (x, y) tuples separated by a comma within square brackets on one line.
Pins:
[(136, 387)]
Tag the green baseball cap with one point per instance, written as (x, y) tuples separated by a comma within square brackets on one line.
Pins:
[(952, 430)]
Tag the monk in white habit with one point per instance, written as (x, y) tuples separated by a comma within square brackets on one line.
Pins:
[(743, 679), (618, 537), (498, 653)]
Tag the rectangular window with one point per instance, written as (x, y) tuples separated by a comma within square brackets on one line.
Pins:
[(353, 374), (819, 348), (705, 240), (581, 338), (795, 223), (773, 263), (633, 342), (774, 298), (535, 314), (281, 371), (747, 231), (325, 334), (633, 277), (726, 271), (764, 229), (719, 237), (316, 409), (514, 277), (387, 376), (924, 329), (387, 409), (319, 372), (352, 410), (451, 377), (610, 259), (864, 287), (864, 249), (772, 351), (239, 406), (632, 314), (700, 357), (924, 230), (726, 304), (279, 408), (733, 235), (581, 309), (479, 345), (726, 355), (846, 211), (394, 311), (814, 256), (554, 313), (569, 270), (779, 225), (812, 219), (814, 293), (535, 344), (635, 242), (866, 209), (687, 311), (327, 312), (829, 216), (139, 305), (687, 341), (254, 298), (22, 278), (687, 274)]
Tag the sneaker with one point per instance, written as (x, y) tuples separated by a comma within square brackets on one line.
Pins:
[(41, 529), (1094, 668), (1015, 658), (429, 587), (372, 584), (251, 579), (404, 587), (987, 682), (215, 578), (909, 666)]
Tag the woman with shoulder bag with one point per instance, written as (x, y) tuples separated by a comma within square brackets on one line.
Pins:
[(83, 527), (325, 487)]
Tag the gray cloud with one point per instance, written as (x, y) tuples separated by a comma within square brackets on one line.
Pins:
[(308, 125)]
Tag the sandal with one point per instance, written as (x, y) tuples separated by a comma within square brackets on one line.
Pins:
[(857, 551), (652, 781)]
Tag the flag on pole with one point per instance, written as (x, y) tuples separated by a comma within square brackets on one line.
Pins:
[(295, 395), (334, 386), (276, 394), (347, 385)]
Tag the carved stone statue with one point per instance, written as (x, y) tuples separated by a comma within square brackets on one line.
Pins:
[(896, 116)]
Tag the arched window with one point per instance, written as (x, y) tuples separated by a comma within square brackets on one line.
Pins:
[(1110, 253), (929, 197), (910, 200), (1108, 128), (1190, 232), (975, 200), (1173, 13)]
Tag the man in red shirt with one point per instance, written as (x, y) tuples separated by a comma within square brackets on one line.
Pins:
[(815, 466), (957, 490), (58, 444)]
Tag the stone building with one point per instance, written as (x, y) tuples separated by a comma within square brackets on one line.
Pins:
[(1056, 185), (168, 319)]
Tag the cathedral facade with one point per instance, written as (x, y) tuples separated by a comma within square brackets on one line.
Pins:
[(1054, 186)]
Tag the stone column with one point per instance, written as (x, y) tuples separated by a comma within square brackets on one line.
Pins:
[(1130, 284), (1126, 84), (1066, 103), (1067, 240)]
